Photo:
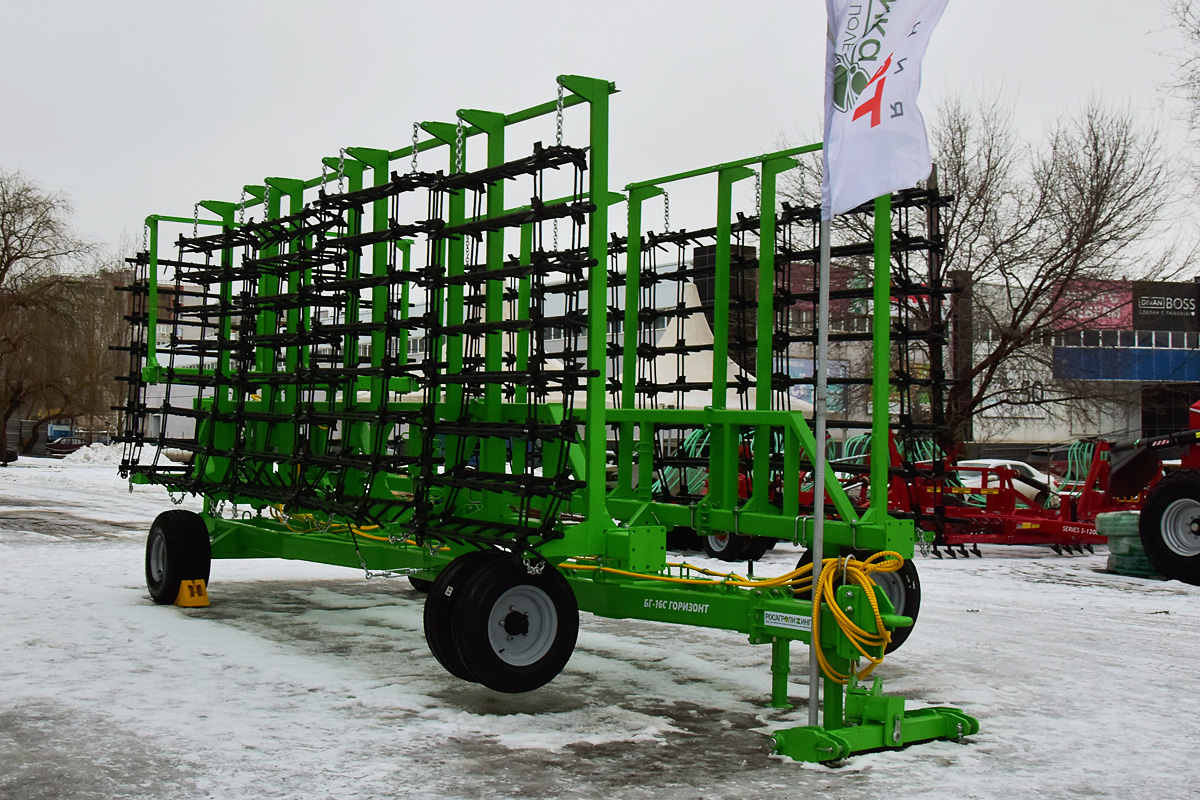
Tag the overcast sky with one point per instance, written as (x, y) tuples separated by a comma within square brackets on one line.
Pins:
[(136, 108)]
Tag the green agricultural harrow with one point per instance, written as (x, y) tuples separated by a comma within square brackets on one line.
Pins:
[(466, 374)]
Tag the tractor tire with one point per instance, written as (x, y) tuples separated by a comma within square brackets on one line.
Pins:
[(734, 547), (178, 549), (725, 546), (903, 589), (515, 631), (1170, 526), (445, 594), (682, 539)]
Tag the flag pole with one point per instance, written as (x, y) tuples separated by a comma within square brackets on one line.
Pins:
[(818, 458)]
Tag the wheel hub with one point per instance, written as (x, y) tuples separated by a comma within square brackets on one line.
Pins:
[(1180, 527), (522, 625), (516, 623), (158, 558)]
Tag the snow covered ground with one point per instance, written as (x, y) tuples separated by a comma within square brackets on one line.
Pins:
[(308, 681)]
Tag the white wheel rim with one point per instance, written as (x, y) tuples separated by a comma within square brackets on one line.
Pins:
[(522, 626), (893, 587), (1176, 527), (158, 557), (718, 542)]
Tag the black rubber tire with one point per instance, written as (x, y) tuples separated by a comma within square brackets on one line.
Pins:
[(757, 547), (1165, 526), (725, 546), (178, 549), (734, 547), (903, 589), (445, 594), (524, 646), (682, 539), (422, 585)]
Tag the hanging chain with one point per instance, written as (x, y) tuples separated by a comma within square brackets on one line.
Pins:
[(196, 220), (558, 138), (757, 193), (242, 209), (666, 211), (558, 117), (266, 200), (145, 238), (924, 544), (460, 150), (416, 130), (341, 170), (324, 174)]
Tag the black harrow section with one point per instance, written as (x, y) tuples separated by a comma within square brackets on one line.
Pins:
[(304, 361), (677, 331)]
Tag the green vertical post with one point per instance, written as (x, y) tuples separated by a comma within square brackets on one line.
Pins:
[(152, 298), (723, 450), (225, 212), (765, 319), (492, 451), (283, 434), (633, 267), (881, 356), (595, 432), (455, 255), (377, 161), (524, 301), (405, 246), (781, 666), (353, 170)]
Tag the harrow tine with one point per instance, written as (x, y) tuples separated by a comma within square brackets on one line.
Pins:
[(962, 548), (1057, 548), (975, 550)]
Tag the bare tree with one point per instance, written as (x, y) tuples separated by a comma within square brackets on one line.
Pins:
[(1033, 235), (38, 251), (1187, 60)]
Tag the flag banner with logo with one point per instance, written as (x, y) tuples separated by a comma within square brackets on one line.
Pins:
[(875, 141)]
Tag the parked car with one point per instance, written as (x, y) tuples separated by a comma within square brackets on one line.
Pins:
[(65, 445), (1034, 485)]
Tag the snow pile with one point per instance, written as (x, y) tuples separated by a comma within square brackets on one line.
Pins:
[(97, 453)]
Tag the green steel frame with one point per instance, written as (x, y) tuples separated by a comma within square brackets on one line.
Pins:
[(622, 528)]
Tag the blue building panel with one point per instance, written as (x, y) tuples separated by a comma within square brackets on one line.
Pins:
[(1126, 364)]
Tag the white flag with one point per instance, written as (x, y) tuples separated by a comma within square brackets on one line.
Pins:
[(875, 140)]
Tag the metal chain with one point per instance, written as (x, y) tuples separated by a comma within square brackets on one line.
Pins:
[(558, 138), (924, 544), (266, 200), (196, 220), (533, 568), (757, 193), (242, 209), (324, 173), (416, 130), (145, 238), (558, 119), (666, 212), (460, 150), (341, 170)]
